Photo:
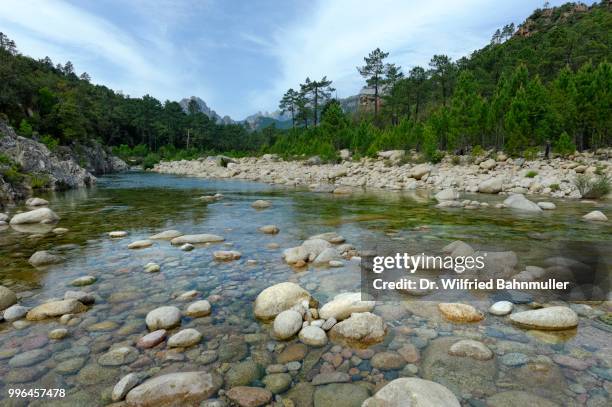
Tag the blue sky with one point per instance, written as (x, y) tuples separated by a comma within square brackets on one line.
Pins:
[(240, 56)]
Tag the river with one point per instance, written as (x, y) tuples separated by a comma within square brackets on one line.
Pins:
[(566, 368)]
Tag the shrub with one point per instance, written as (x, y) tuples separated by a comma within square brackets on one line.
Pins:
[(477, 151), (430, 146), (564, 145), (12, 175), (531, 174), (456, 160), (50, 142), (39, 181), (150, 160), (593, 188), (531, 153), (25, 128), (554, 187)]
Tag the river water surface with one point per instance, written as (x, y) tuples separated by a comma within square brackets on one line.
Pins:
[(567, 368)]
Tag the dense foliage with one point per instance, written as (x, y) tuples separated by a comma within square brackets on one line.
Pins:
[(548, 83)]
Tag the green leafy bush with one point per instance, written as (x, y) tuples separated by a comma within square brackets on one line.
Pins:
[(477, 151), (531, 174), (564, 145), (150, 160), (50, 142), (25, 128), (531, 153), (554, 187)]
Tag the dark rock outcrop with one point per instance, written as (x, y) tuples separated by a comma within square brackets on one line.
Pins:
[(24, 159)]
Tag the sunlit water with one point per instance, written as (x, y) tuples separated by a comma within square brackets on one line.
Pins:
[(144, 204)]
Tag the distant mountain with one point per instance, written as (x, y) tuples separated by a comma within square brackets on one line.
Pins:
[(206, 110), (255, 121)]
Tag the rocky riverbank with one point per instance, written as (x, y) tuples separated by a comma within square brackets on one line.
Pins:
[(491, 173), (26, 164)]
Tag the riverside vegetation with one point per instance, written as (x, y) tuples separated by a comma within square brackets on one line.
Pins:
[(240, 285)]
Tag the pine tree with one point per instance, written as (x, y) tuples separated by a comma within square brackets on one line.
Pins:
[(517, 123), (374, 71), (289, 104), (465, 114), (442, 73), (317, 93)]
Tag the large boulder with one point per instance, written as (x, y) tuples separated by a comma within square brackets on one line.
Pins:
[(412, 392), (295, 254), (519, 202), (488, 164), (175, 389), (491, 186), (39, 215), (343, 305), (37, 202), (449, 194), (7, 298), (420, 171), (363, 328), (55, 309), (327, 255), (314, 247), (278, 298), (196, 239), (596, 216), (550, 318), (163, 318), (44, 258)]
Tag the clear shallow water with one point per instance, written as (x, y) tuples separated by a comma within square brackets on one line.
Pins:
[(144, 204)]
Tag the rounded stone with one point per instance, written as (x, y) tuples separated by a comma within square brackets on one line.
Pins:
[(152, 339), (122, 355), (420, 392), (472, 349), (185, 338), (287, 324), (313, 336), (277, 382), (550, 318), (501, 308), (457, 312), (249, 396), (163, 318), (59, 333), (7, 298), (198, 309)]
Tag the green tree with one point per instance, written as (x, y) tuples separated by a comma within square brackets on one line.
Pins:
[(442, 73), (289, 104), (374, 71), (317, 94), (466, 108)]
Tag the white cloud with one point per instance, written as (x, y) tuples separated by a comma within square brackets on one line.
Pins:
[(111, 55)]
